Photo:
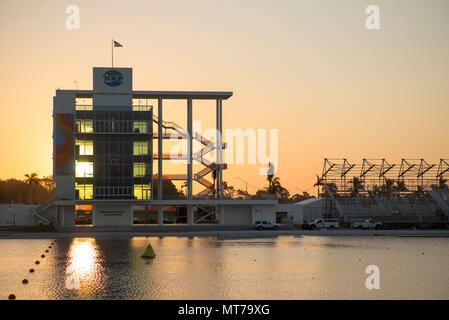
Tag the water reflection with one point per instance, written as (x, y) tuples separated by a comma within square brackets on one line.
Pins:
[(228, 268), (85, 271)]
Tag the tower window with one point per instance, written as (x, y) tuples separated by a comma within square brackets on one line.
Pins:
[(84, 191), (140, 148), (86, 147), (140, 169), (84, 125), (142, 191), (84, 169), (141, 126)]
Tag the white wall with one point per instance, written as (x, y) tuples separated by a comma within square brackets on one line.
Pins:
[(65, 187), (117, 215), (110, 100), (293, 210), (66, 215), (313, 210), (235, 215), (263, 212), (22, 213), (64, 102)]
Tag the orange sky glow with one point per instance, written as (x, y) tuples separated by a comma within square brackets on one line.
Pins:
[(307, 68)]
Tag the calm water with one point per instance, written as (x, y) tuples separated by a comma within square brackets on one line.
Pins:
[(287, 267)]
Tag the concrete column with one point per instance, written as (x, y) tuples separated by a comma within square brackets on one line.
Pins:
[(93, 215), (160, 215), (160, 209), (189, 148), (221, 214), (221, 151), (159, 149), (219, 158), (62, 214), (190, 215)]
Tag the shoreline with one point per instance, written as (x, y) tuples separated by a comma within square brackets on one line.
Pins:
[(244, 234)]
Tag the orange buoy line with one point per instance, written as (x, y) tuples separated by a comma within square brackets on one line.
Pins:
[(25, 281)]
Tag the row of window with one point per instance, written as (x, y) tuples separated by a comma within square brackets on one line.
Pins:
[(89, 107), (86, 147), (86, 191), (125, 126), (85, 169)]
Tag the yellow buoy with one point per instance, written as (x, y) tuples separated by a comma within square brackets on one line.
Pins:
[(149, 252)]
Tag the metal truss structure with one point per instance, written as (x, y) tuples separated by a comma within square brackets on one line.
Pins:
[(410, 177)]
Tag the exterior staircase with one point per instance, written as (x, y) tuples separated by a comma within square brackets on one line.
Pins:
[(40, 214), (180, 133)]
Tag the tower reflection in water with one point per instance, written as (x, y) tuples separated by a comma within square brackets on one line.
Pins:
[(85, 272)]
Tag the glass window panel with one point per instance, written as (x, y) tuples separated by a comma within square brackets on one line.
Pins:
[(142, 191), (84, 125), (84, 191), (86, 147), (140, 148), (84, 169), (141, 126), (139, 169)]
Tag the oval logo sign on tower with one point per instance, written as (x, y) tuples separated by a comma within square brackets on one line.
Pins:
[(113, 78)]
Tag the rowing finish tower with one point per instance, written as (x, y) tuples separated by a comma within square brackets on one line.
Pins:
[(103, 151)]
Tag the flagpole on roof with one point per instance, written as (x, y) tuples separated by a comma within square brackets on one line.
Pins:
[(112, 50)]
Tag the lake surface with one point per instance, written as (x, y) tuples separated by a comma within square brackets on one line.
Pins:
[(285, 267)]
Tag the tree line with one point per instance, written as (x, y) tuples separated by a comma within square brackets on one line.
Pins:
[(31, 190), (36, 190)]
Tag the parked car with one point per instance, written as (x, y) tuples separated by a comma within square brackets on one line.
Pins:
[(265, 225), (324, 224), (366, 224)]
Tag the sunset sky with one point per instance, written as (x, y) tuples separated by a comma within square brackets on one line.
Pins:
[(307, 68)]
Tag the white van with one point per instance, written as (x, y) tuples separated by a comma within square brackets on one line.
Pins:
[(324, 224)]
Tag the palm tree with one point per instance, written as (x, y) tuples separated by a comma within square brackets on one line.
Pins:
[(400, 186), (185, 185), (419, 191), (31, 180), (387, 187), (270, 175), (275, 186), (377, 190), (356, 186), (442, 183), (319, 183), (332, 187)]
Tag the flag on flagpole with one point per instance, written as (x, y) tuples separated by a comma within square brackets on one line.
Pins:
[(116, 44)]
